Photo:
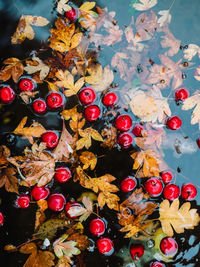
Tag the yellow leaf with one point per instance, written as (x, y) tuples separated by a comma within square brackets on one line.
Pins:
[(179, 218), (88, 159), (40, 67), (13, 69), (87, 6), (86, 135), (71, 114)]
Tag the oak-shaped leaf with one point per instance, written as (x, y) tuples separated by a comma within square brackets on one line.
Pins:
[(13, 69), (35, 130), (67, 248), (4, 154), (88, 159), (9, 180), (83, 212), (169, 41), (165, 17), (37, 65), (144, 4), (64, 262), (63, 6), (87, 16), (191, 51), (180, 218), (87, 135), (27, 95), (24, 29), (110, 135), (40, 215)]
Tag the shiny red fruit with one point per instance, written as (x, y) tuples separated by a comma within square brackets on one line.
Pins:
[(157, 264), (7, 95), (62, 174), (125, 140), (171, 191), (56, 202), (136, 250), (55, 100), (128, 184), (105, 246), (87, 96), (26, 85), (169, 246), (154, 186), (69, 205), (39, 193), (123, 123), (198, 142), (92, 112), (71, 14), (110, 99), (1, 219), (188, 191), (50, 138), (97, 227), (166, 176), (39, 106), (23, 201), (181, 94), (137, 130), (174, 123)]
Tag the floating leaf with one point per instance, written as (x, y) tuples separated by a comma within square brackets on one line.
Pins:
[(111, 137), (40, 67), (165, 17), (67, 248), (63, 6), (13, 69), (87, 135), (144, 4), (191, 51), (9, 180), (83, 212), (88, 159), (26, 95)]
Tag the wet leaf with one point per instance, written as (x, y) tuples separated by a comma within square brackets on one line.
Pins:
[(144, 4), (63, 6), (40, 67), (111, 137), (9, 180), (40, 215), (13, 69), (10, 248), (165, 17), (180, 218), (67, 248), (170, 41), (64, 262), (83, 212), (71, 114), (87, 135), (4, 154), (88, 159), (191, 51), (27, 95)]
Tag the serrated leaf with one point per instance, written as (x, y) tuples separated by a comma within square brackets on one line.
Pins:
[(84, 213), (13, 69), (67, 248), (88, 159), (86, 140), (40, 67), (63, 6)]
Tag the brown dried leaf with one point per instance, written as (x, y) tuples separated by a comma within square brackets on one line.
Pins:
[(40, 67), (4, 154), (13, 69), (64, 262), (9, 180), (111, 137), (26, 95), (88, 159)]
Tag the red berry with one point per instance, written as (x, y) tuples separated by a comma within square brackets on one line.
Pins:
[(87, 96), (39, 193), (174, 123), (110, 99), (123, 123), (157, 264), (136, 250), (198, 142), (188, 191), (154, 186), (137, 130), (169, 246), (97, 227), (128, 184), (63, 174), (105, 246), (56, 202), (181, 94), (39, 106), (1, 219), (7, 95), (166, 176), (23, 201), (69, 205), (55, 100), (26, 84), (171, 191), (50, 138), (71, 14), (125, 140), (92, 112)]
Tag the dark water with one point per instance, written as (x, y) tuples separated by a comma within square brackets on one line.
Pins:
[(20, 223)]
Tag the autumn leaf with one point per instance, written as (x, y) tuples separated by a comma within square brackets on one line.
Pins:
[(4, 154), (197, 74), (88, 159), (37, 257), (71, 114), (111, 137), (99, 78), (64, 262), (165, 17), (87, 135), (13, 69), (169, 41), (24, 29), (63, 6), (193, 102), (87, 16), (40, 215), (83, 212), (180, 218), (67, 248), (64, 37), (27, 95), (35, 130), (147, 161), (191, 51), (144, 4), (9, 180), (40, 67)]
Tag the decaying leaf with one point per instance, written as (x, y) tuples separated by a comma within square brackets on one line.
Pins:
[(88, 159), (111, 137), (64, 262), (169, 41), (83, 212), (27, 95), (87, 135), (40, 67), (63, 6), (191, 51), (144, 4), (180, 218), (9, 180), (40, 215), (4, 154), (87, 16), (13, 69), (67, 248)]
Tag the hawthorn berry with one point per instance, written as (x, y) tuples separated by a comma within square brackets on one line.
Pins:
[(71, 14), (166, 176), (39, 193), (157, 264), (174, 123), (198, 142), (69, 205), (87, 96), (171, 191), (7, 95), (92, 112), (50, 138), (128, 184), (188, 191), (97, 227), (39, 106), (26, 84), (125, 140), (123, 123), (105, 246), (169, 246), (137, 130), (154, 186), (136, 251), (23, 201), (56, 202), (55, 100), (62, 174), (109, 99), (1, 219), (181, 94)]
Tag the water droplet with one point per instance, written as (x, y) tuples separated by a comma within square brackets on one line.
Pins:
[(150, 243)]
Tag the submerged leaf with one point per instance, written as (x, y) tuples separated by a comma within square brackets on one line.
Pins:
[(144, 4)]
